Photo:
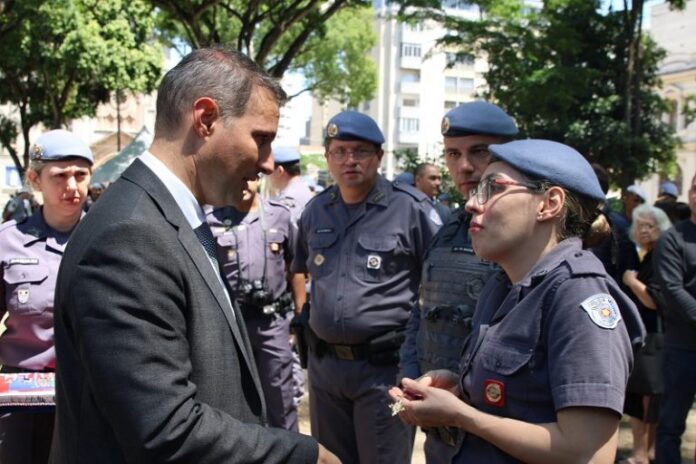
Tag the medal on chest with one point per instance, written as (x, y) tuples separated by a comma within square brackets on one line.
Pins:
[(23, 295)]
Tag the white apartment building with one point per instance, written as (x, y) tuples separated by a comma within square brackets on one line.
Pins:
[(415, 84), (671, 30)]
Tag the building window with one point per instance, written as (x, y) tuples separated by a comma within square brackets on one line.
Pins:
[(410, 102), (453, 59), (408, 124), (410, 76), (673, 114), (450, 104), (12, 178), (416, 27), (458, 84), (457, 5), (410, 50)]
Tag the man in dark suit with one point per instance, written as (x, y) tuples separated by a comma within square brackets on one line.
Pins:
[(154, 360)]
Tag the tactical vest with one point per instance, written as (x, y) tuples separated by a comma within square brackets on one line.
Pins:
[(451, 283)]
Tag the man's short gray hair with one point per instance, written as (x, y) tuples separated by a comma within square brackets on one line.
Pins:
[(224, 75)]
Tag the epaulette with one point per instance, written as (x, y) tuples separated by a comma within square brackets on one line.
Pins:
[(331, 191), (279, 204), (411, 190), (584, 262)]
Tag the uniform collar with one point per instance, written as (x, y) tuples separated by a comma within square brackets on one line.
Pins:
[(35, 229), (552, 259)]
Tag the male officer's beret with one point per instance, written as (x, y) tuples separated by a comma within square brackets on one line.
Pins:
[(552, 161), (478, 117), (405, 178), (669, 188), (351, 125), (283, 155), (58, 145), (638, 191)]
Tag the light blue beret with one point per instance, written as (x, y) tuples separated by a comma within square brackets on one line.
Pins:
[(669, 188), (58, 145), (638, 191), (552, 161), (283, 155), (351, 125), (405, 178), (478, 117)]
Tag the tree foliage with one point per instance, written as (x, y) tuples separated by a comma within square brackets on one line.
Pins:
[(327, 41), (571, 73), (61, 58)]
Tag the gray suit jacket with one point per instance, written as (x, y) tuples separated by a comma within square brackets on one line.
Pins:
[(152, 365)]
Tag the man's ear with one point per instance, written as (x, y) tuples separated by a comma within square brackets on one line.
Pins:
[(205, 113), (552, 206), (34, 179)]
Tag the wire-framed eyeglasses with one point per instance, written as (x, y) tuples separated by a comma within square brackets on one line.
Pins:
[(359, 154), (492, 185)]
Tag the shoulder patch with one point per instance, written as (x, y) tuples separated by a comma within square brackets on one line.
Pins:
[(434, 217), (603, 310), (413, 191)]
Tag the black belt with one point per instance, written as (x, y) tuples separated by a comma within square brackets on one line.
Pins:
[(348, 352)]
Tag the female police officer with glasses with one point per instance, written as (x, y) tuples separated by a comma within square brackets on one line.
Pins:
[(543, 374), (30, 253)]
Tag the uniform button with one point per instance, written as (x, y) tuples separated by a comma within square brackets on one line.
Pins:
[(498, 363), (343, 274), (578, 254), (339, 297)]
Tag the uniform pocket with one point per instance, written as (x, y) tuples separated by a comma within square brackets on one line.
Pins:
[(23, 288), (504, 360), (274, 244), (376, 257), (319, 253)]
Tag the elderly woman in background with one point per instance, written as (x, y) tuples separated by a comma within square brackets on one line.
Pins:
[(544, 371), (645, 383), (30, 253)]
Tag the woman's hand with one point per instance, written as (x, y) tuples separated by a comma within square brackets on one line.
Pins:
[(426, 405)]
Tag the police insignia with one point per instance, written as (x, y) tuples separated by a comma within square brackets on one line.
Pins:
[(435, 218), (275, 247), (23, 295), (319, 259), (36, 152), (445, 125), (231, 254), (603, 310), (227, 222), (494, 393), (332, 130), (374, 262)]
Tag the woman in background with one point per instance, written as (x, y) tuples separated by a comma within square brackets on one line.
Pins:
[(645, 385), (30, 253)]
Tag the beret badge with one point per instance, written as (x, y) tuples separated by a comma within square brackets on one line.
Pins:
[(36, 151), (332, 130), (445, 125)]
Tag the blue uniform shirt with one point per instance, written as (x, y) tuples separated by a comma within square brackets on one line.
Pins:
[(562, 337), (254, 246), (295, 196), (365, 260)]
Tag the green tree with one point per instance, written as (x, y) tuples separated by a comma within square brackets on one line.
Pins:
[(61, 58), (327, 41), (568, 72)]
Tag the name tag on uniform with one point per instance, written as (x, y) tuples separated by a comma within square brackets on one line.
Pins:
[(23, 261), (324, 231), (462, 249)]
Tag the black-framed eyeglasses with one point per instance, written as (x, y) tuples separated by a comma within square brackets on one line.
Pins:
[(359, 154), (492, 185)]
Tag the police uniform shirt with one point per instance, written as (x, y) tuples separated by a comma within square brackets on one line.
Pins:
[(364, 260), (245, 241), (562, 337), (295, 196), (30, 254)]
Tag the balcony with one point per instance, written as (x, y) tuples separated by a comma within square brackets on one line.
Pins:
[(411, 62), (412, 138), (410, 87)]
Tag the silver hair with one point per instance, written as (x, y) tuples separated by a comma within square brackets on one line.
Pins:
[(652, 212), (224, 75)]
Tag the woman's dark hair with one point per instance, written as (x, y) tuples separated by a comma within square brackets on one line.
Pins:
[(578, 219)]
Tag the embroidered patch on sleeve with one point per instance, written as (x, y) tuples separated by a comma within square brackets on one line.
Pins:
[(603, 310)]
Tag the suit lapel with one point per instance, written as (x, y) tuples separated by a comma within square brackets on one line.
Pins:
[(141, 175)]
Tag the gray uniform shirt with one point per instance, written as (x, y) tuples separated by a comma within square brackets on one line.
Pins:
[(30, 254), (295, 196), (562, 337), (364, 260), (254, 245)]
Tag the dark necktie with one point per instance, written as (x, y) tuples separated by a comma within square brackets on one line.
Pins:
[(205, 236)]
